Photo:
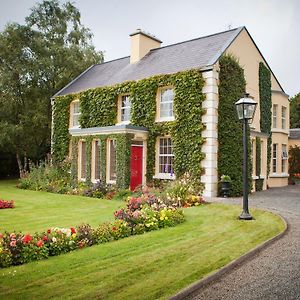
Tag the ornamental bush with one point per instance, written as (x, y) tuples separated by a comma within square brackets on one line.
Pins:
[(142, 214), (6, 204)]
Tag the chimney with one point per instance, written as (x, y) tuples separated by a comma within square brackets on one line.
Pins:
[(141, 44)]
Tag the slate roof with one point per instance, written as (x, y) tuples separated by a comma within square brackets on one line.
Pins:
[(295, 134), (193, 54)]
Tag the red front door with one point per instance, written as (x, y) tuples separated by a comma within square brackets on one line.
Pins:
[(136, 166)]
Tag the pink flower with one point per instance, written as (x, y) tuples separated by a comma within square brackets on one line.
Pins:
[(13, 243), (45, 238), (40, 243), (1, 236)]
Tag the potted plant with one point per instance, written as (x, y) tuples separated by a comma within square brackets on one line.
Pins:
[(225, 185)]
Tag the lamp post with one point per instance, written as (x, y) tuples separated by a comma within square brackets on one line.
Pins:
[(245, 109)]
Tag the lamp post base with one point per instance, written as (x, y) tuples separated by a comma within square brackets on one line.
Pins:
[(245, 216)]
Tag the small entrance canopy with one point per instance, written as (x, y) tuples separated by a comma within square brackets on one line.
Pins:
[(140, 133)]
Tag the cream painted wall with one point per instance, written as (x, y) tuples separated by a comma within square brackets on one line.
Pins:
[(294, 142), (249, 58)]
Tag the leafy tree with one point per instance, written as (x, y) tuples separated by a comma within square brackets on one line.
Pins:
[(36, 60), (295, 111)]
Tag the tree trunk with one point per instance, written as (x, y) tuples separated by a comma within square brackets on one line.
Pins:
[(22, 169)]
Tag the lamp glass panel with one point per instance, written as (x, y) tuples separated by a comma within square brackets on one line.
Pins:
[(239, 109)]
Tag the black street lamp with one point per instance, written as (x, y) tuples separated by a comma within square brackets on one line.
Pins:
[(245, 109)]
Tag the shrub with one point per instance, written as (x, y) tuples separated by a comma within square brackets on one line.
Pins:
[(103, 234), (6, 204)]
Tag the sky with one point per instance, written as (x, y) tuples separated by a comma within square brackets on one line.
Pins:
[(273, 24)]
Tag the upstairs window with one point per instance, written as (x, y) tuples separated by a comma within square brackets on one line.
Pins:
[(283, 117), (166, 103), (275, 106), (125, 107), (75, 114)]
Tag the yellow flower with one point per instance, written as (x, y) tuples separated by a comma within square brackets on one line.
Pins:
[(161, 218), (74, 235)]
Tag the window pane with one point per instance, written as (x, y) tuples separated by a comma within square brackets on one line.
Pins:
[(112, 160), (166, 156), (125, 108), (166, 103)]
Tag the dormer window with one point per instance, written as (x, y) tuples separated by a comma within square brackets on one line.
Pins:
[(165, 103), (75, 114), (124, 109)]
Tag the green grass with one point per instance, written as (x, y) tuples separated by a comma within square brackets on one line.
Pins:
[(154, 265)]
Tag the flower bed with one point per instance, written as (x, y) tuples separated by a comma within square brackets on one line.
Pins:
[(6, 204), (142, 214)]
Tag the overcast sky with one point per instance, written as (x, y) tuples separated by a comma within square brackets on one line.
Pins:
[(273, 24)]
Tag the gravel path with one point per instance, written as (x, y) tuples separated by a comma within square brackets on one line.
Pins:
[(275, 272)]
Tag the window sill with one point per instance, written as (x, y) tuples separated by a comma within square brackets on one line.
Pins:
[(123, 123), (164, 176), (111, 181), (280, 130), (279, 175), (169, 119)]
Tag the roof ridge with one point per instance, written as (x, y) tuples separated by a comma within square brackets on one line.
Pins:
[(198, 38), (109, 61)]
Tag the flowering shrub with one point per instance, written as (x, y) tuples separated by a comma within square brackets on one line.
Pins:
[(6, 204), (145, 213), (296, 175)]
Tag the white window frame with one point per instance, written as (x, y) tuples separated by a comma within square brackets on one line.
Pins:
[(73, 114), (124, 108), (158, 174), (108, 161), (283, 117), (159, 103), (275, 112), (274, 158), (284, 158)]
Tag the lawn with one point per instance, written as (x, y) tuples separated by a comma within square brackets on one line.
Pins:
[(154, 265)]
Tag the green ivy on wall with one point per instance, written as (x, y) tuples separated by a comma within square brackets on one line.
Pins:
[(265, 101), (99, 108), (258, 182), (230, 129)]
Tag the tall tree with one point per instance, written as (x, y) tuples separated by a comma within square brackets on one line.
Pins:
[(36, 60), (295, 111)]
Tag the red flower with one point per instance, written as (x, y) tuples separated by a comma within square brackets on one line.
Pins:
[(45, 238), (27, 239), (49, 231), (40, 243), (1, 236), (114, 228), (73, 230)]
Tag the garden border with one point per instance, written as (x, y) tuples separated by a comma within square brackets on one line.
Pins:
[(232, 265)]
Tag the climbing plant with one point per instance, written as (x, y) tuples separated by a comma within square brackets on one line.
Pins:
[(259, 181), (230, 129), (99, 108), (265, 101)]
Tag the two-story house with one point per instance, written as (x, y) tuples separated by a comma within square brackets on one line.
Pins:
[(155, 114)]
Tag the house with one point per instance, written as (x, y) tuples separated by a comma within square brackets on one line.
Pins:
[(156, 114), (294, 137)]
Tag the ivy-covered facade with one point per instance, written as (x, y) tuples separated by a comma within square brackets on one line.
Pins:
[(161, 113)]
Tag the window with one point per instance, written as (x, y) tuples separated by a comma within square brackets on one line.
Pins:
[(284, 158), (275, 115), (75, 114), (82, 160), (96, 160), (283, 117), (125, 108), (165, 156), (274, 158), (112, 175), (166, 99)]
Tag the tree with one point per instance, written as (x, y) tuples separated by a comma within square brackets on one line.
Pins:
[(37, 60), (295, 111)]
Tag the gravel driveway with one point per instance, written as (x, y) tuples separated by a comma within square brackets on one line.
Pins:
[(275, 272)]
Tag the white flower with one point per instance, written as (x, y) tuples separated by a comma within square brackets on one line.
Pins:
[(54, 240)]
